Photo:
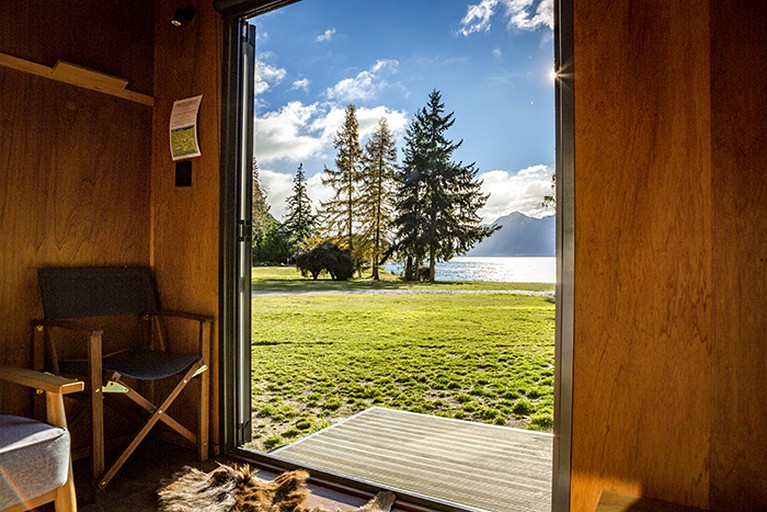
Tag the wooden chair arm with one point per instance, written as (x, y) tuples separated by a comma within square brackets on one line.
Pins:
[(184, 315), (72, 326), (39, 380)]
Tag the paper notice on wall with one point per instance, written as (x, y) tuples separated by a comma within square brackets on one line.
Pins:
[(183, 128)]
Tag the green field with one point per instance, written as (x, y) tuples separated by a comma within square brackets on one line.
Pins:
[(320, 358), (286, 279)]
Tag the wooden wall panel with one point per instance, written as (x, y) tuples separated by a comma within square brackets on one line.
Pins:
[(111, 36), (74, 183), (739, 163), (185, 220), (642, 405)]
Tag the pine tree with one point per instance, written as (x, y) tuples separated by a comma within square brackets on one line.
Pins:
[(261, 217), (299, 220), (439, 198), (376, 208), (408, 219), (550, 201), (265, 228), (337, 217)]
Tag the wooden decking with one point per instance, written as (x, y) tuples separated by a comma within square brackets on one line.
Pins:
[(472, 465)]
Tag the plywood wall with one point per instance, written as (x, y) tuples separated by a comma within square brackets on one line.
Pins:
[(74, 164), (114, 36), (671, 198), (185, 220), (738, 392)]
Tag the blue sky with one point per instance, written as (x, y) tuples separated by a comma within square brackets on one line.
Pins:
[(491, 59)]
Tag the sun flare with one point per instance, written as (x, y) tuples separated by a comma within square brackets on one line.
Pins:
[(553, 74)]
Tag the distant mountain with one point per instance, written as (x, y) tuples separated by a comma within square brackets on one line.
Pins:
[(519, 235)]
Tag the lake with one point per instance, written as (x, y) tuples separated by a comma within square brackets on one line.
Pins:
[(508, 269)]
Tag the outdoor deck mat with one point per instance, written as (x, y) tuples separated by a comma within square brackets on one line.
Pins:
[(480, 466)]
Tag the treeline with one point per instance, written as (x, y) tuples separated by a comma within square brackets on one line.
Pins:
[(419, 211)]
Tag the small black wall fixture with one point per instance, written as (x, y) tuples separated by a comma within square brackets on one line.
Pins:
[(182, 16)]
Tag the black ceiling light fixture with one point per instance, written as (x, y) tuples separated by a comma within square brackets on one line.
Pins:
[(182, 16)]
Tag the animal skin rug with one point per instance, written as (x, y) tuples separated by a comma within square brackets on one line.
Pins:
[(237, 489)]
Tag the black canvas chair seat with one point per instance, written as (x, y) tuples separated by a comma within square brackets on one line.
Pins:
[(135, 364), (124, 300)]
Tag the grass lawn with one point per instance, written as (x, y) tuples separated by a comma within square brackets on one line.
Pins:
[(319, 358), (286, 279)]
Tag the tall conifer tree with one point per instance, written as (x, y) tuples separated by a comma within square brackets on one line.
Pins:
[(376, 208), (261, 217), (338, 214), (439, 198), (299, 219)]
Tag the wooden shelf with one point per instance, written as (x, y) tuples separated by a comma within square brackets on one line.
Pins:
[(73, 74)]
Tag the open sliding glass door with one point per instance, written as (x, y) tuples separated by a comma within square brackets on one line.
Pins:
[(245, 230), (236, 178), (236, 185)]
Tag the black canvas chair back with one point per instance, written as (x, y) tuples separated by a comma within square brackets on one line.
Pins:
[(79, 292), (71, 294)]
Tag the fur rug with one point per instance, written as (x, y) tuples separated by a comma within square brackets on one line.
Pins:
[(237, 489)]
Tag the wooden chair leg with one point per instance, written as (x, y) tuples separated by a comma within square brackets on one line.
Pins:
[(97, 404), (151, 408), (151, 422), (66, 500), (203, 427)]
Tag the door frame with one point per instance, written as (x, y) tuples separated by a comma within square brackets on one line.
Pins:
[(232, 13), (564, 104)]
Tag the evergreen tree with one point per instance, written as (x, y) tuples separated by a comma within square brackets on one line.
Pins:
[(268, 240), (337, 217), (439, 198), (550, 201), (299, 221), (408, 219), (261, 217), (376, 208)]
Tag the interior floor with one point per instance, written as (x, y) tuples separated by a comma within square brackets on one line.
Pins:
[(134, 487)]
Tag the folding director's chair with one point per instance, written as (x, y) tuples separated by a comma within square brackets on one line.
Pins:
[(77, 296)]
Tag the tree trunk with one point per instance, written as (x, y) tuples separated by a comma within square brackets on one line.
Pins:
[(432, 265)]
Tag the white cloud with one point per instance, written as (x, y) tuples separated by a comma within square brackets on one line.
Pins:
[(366, 85), (280, 186), (497, 53), (522, 191), (367, 118), (302, 84), (318, 192), (326, 36), (297, 132), (283, 134), (519, 14), (267, 76), (477, 18)]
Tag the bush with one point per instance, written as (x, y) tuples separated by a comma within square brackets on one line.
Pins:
[(326, 257)]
